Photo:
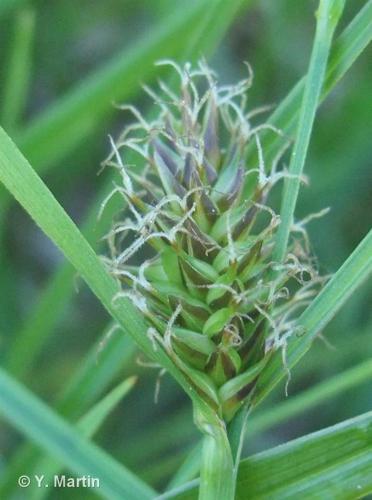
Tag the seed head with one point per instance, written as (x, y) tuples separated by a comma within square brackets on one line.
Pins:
[(195, 250)]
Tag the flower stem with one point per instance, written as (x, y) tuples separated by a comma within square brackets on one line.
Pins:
[(217, 477)]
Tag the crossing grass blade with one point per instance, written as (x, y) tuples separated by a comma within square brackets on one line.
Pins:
[(87, 425), (346, 49), (33, 418), (96, 371), (18, 69), (319, 394), (335, 462), (188, 470), (72, 118), (98, 368), (328, 15), (91, 421), (29, 339), (183, 431)]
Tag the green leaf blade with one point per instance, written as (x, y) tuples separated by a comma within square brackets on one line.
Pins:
[(37, 421), (65, 124), (19, 68), (321, 393), (333, 463), (96, 371), (87, 425), (327, 15)]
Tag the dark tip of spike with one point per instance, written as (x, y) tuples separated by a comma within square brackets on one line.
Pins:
[(228, 366), (211, 362), (251, 257), (209, 207), (210, 171), (250, 214), (188, 170), (193, 275), (211, 133), (165, 156), (178, 189), (222, 301), (254, 342), (245, 221), (196, 311), (245, 391), (235, 188), (201, 243), (169, 129)]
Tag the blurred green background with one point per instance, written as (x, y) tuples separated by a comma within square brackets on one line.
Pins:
[(70, 40)]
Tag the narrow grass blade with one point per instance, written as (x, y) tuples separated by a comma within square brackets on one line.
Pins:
[(189, 468), (315, 396), (92, 420), (348, 46), (351, 274), (328, 14), (333, 463), (99, 367), (157, 472), (214, 25), (183, 431), (346, 49), (87, 426), (186, 491), (28, 340), (57, 131), (48, 430), (18, 71)]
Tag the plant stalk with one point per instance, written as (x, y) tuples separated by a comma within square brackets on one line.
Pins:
[(217, 475)]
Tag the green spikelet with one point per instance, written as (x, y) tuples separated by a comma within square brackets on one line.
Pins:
[(216, 301)]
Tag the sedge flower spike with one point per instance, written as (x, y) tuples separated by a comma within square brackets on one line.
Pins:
[(215, 300)]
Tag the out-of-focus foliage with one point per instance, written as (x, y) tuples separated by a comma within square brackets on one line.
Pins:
[(68, 44)]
